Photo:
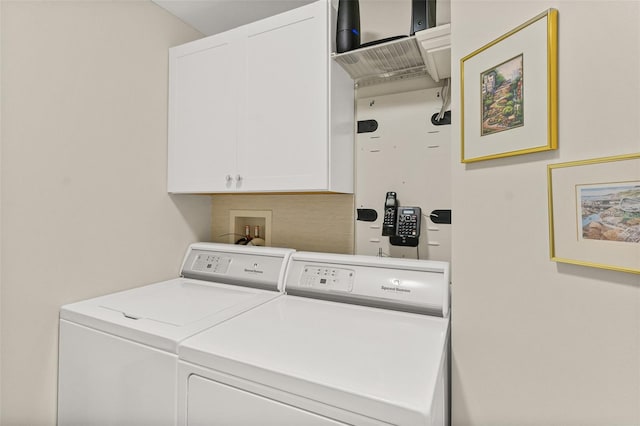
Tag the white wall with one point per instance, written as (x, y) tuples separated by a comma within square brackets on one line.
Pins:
[(84, 206), (406, 154), (535, 342)]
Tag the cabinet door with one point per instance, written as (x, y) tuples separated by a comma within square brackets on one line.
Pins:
[(283, 140), (203, 81)]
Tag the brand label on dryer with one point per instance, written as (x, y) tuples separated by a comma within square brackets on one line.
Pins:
[(395, 289)]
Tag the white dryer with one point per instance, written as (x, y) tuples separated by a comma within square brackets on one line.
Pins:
[(118, 353), (355, 340)]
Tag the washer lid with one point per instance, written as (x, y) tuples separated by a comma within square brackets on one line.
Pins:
[(163, 314), (381, 363), (221, 281), (178, 305)]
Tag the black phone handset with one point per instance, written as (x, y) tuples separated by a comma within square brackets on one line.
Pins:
[(390, 213)]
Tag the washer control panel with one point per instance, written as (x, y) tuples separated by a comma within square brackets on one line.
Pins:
[(327, 278), (217, 264)]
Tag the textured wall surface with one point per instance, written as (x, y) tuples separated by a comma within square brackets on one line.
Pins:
[(311, 222)]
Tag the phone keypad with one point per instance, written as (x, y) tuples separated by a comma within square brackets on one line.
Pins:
[(407, 225), (390, 217)]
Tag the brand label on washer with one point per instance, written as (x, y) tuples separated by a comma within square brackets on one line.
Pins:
[(254, 269)]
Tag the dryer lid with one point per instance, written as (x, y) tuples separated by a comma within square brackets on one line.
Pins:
[(383, 363)]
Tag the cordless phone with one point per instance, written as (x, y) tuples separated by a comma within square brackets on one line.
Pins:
[(400, 224), (390, 210)]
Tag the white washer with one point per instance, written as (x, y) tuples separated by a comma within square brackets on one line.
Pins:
[(118, 353), (355, 340)]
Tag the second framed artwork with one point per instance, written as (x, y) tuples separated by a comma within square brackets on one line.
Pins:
[(509, 92), (594, 212)]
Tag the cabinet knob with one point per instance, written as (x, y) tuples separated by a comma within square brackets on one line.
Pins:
[(228, 178), (238, 178)]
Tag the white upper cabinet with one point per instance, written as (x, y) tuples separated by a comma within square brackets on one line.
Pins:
[(203, 123), (262, 108)]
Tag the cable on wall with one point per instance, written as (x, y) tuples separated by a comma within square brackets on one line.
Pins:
[(444, 116)]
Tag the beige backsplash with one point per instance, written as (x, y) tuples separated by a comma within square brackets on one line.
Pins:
[(310, 222)]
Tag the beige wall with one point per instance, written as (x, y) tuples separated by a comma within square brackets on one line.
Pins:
[(1, 132), (536, 342), (311, 222), (83, 141), (1, 97), (84, 205)]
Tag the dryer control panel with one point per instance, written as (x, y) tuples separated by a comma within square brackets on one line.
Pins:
[(327, 278), (417, 286)]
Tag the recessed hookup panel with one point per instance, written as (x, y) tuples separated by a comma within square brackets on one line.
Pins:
[(250, 227)]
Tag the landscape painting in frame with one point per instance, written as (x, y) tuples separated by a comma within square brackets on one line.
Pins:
[(502, 97), (609, 212)]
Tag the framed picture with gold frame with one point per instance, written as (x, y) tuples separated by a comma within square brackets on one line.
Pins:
[(594, 212), (509, 92)]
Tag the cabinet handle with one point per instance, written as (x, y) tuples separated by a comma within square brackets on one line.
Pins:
[(228, 178), (238, 178)]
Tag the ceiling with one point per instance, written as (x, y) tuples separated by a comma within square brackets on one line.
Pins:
[(215, 16)]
